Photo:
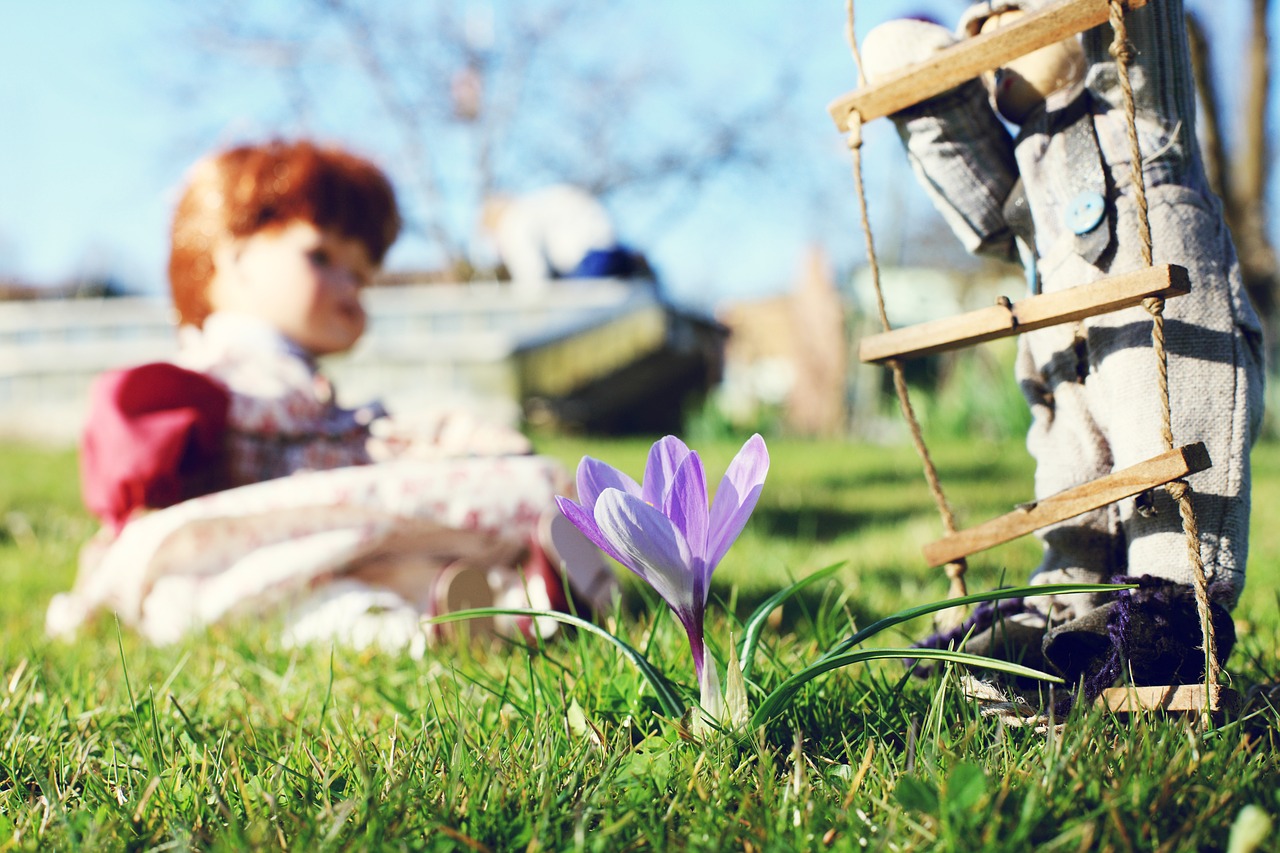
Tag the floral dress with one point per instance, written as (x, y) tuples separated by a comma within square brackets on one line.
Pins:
[(342, 521)]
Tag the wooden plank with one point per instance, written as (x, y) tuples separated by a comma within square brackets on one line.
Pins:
[(1174, 698), (1118, 485), (971, 57), (1026, 315)]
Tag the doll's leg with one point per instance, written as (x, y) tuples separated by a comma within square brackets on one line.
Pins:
[(414, 555), (1215, 367), (1215, 381), (1069, 450), (960, 152), (1213, 342), (1215, 389)]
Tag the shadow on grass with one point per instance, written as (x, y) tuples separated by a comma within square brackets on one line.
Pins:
[(810, 606), (855, 480), (820, 524), (980, 462)]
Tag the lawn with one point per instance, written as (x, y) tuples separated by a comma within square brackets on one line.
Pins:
[(229, 741)]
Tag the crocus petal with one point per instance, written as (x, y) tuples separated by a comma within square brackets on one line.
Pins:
[(686, 505), (595, 476), (736, 711), (586, 522), (664, 458), (711, 699), (646, 542), (736, 498)]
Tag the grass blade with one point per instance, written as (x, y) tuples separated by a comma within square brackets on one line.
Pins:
[(776, 701), (756, 622), (671, 703)]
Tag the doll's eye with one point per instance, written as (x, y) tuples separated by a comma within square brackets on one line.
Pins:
[(319, 257)]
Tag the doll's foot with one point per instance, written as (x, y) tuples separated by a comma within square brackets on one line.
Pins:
[(462, 586), (1007, 630), (1149, 636)]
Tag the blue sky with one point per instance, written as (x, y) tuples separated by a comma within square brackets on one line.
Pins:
[(102, 107)]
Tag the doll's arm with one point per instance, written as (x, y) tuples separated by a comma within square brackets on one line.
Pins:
[(154, 437), (443, 433), (959, 150)]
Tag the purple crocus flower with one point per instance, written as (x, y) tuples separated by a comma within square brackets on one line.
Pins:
[(662, 529)]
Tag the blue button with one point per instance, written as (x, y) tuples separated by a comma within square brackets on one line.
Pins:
[(1085, 212)]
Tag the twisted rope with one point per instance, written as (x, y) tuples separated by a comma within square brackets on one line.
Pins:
[(1179, 490), (954, 570)]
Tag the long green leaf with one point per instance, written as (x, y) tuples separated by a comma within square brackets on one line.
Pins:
[(774, 702), (977, 597), (759, 618), (671, 703)]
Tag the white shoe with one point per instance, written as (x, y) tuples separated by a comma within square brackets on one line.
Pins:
[(462, 587)]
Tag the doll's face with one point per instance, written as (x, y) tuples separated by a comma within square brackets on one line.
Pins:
[(304, 281), (1023, 84)]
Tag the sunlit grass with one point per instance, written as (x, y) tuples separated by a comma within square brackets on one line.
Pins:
[(228, 741)]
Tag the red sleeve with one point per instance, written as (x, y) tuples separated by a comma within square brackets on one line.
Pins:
[(154, 437)]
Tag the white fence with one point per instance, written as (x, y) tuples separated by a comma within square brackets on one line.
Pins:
[(426, 345)]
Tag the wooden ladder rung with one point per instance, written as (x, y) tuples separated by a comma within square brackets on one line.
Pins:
[(1174, 698), (1116, 486), (970, 57), (1026, 315)]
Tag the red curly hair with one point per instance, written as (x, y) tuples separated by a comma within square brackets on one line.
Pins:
[(251, 188)]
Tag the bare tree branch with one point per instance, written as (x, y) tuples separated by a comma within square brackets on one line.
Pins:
[(481, 98), (1240, 176), (1251, 169), (1210, 119), (406, 117)]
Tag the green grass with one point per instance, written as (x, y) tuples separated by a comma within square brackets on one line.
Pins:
[(228, 741)]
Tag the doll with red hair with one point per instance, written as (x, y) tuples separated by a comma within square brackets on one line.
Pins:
[(230, 481)]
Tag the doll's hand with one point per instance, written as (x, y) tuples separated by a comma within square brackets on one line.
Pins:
[(464, 435), (897, 44), (443, 434)]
